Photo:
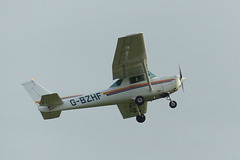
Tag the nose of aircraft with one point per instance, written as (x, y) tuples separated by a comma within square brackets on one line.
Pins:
[(183, 79), (180, 82)]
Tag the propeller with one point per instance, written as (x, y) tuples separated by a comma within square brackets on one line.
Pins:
[(182, 79)]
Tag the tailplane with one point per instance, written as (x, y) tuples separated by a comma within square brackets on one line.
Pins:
[(43, 97), (50, 115)]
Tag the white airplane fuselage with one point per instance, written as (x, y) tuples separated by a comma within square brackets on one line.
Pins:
[(135, 86), (126, 92)]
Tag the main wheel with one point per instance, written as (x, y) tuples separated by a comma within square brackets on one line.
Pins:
[(139, 100), (173, 104), (141, 118)]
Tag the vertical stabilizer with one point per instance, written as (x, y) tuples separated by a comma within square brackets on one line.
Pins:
[(42, 96), (35, 90)]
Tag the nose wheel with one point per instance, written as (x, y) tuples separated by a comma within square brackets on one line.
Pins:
[(172, 104)]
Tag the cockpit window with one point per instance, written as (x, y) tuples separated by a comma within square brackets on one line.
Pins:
[(117, 83), (136, 79), (151, 75), (140, 78)]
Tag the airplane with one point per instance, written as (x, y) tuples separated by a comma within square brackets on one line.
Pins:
[(135, 85)]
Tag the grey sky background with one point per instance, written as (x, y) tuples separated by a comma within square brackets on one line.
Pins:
[(68, 47)]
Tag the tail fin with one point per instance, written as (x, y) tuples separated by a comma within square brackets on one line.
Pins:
[(35, 90), (43, 97)]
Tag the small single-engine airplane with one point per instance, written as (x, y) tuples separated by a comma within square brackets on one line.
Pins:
[(135, 86)]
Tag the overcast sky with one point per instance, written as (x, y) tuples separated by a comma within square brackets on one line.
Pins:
[(68, 47)]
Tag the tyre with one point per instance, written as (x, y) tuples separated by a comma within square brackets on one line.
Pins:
[(139, 100), (173, 104), (141, 118)]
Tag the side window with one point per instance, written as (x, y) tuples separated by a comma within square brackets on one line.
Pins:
[(151, 75), (136, 79), (117, 83)]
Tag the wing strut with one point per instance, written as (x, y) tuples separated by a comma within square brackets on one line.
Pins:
[(147, 76)]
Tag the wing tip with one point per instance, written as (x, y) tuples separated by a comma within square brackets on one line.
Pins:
[(133, 34)]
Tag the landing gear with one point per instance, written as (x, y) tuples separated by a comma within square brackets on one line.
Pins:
[(172, 104), (140, 118), (139, 100)]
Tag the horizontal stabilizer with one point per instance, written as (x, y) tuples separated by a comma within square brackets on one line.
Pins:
[(50, 115), (51, 100)]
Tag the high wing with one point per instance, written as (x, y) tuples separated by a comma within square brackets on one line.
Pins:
[(129, 110), (130, 56)]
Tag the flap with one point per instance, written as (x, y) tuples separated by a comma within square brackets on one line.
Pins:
[(51, 100), (129, 110)]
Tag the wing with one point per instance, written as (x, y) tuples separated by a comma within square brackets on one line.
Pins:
[(129, 110), (130, 56)]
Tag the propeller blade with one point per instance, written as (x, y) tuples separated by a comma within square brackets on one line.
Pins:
[(182, 87), (180, 72), (181, 77)]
